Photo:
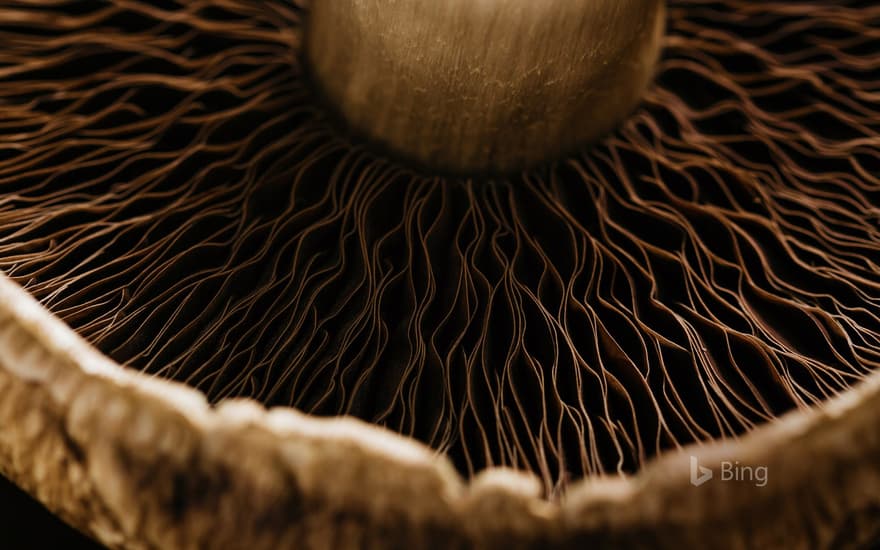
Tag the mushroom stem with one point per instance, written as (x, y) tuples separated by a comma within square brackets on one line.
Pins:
[(464, 86)]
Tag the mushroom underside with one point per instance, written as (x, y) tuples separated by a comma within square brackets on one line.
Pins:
[(173, 193)]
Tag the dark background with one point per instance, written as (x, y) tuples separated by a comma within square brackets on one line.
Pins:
[(26, 525)]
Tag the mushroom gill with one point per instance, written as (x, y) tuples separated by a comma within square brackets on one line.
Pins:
[(173, 191)]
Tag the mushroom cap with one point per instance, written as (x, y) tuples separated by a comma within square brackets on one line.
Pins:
[(141, 462), (123, 174)]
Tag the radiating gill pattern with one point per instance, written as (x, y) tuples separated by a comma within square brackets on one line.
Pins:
[(169, 188)]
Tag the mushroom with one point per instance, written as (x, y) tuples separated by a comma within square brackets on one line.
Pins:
[(493, 86), (230, 320)]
